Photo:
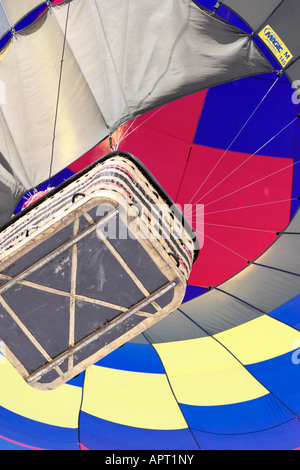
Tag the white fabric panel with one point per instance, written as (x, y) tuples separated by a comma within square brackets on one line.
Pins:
[(30, 69)]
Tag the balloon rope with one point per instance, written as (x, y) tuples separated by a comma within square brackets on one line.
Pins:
[(127, 133), (251, 206), (120, 134), (251, 184), (257, 181), (241, 228), (58, 93), (247, 159), (235, 138), (223, 246)]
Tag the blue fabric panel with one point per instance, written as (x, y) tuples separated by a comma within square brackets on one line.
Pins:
[(227, 108), (57, 179), (296, 180), (281, 376), (35, 434), (207, 3), (30, 18), (251, 416), (77, 381), (98, 434), (5, 39), (192, 292), (296, 191), (284, 437), (7, 445), (289, 312), (134, 357)]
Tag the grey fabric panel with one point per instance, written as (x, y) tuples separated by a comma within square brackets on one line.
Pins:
[(283, 254), (293, 74), (285, 21), (294, 225), (282, 16), (253, 12), (139, 339), (189, 52), (262, 288), (10, 194), (12, 183), (216, 311), (122, 58), (4, 22), (175, 327)]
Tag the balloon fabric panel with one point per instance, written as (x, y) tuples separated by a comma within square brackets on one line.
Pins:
[(237, 388)]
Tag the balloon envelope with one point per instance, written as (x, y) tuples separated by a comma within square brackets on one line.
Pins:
[(221, 372)]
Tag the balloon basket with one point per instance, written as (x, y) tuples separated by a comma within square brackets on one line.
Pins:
[(89, 266)]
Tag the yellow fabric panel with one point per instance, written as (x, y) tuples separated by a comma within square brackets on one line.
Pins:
[(58, 407), (259, 340), (134, 399), (194, 356), (216, 388), (204, 373)]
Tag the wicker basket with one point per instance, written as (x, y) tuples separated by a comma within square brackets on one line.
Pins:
[(88, 267)]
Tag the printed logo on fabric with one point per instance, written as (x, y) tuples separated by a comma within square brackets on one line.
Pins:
[(276, 45)]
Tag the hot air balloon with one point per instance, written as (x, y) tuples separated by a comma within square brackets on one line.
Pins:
[(221, 371)]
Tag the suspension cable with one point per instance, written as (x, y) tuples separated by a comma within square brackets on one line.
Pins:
[(235, 138), (245, 161), (58, 93)]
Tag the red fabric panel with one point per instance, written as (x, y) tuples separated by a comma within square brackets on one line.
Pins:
[(162, 141), (231, 237)]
